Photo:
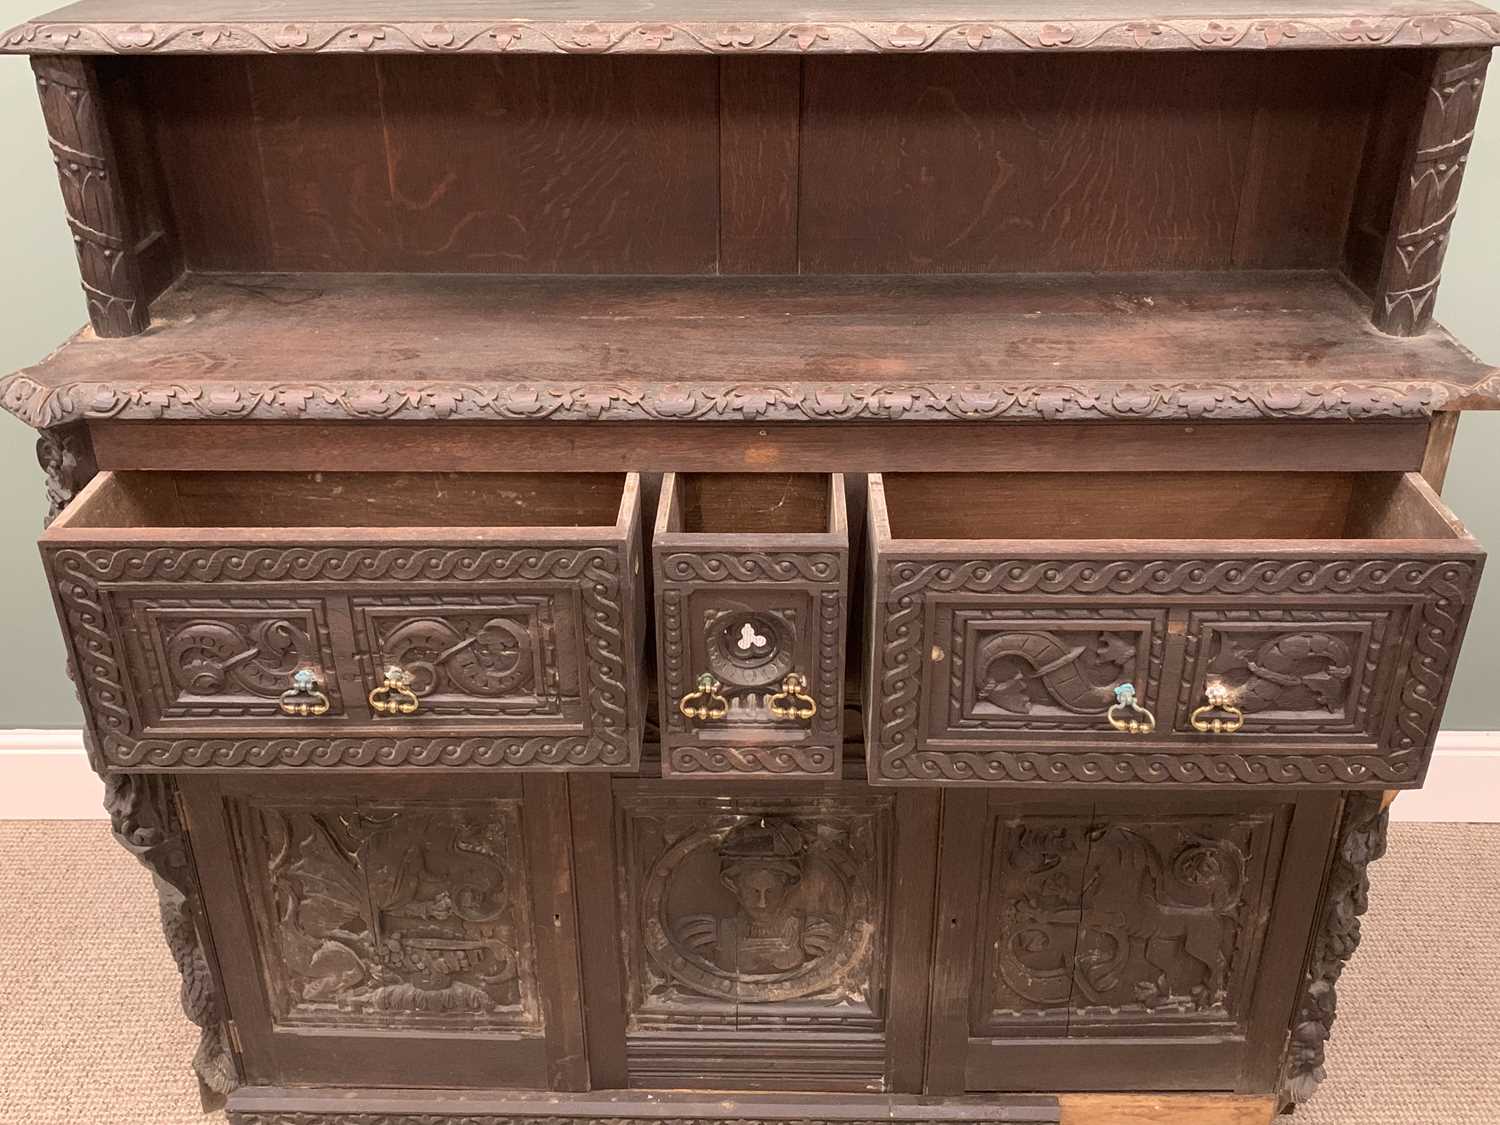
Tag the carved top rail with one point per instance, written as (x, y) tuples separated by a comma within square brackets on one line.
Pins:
[(745, 27)]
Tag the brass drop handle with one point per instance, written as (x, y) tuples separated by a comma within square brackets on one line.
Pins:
[(395, 697), (792, 701), (305, 697), (1127, 714), (706, 701), (1220, 698)]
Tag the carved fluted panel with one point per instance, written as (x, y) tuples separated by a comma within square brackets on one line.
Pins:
[(88, 174)]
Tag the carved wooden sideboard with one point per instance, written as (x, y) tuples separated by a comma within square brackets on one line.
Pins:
[(705, 563)]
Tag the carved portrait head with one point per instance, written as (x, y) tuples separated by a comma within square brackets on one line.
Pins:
[(761, 863)]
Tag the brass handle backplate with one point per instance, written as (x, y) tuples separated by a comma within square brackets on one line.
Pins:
[(305, 697), (1220, 699), (394, 696), (1127, 714), (792, 701), (706, 701)]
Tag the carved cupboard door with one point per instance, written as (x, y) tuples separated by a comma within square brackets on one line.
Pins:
[(775, 939), (370, 934), (1145, 943)]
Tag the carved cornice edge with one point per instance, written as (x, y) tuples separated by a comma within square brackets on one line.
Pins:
[(1199, 33), (42, 406)]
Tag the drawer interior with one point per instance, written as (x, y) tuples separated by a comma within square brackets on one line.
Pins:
[(771, 503), (301, 499), (1192, 505)]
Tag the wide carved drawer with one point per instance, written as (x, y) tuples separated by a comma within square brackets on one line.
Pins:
[(751, 613), (355, 619), (1198, 628)]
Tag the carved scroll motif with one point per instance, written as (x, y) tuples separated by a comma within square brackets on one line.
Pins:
[(1362, 839), (1428, 198), (86, 169)]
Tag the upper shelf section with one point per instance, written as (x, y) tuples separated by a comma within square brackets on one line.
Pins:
[(1233, 345), (741, 26)]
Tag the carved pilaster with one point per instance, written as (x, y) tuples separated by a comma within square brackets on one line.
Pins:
[(88, 172), (1361, 842), (143, 815), (1427, 198), (66, 455)]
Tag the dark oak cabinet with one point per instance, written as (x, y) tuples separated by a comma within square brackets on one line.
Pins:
[(723, 564)]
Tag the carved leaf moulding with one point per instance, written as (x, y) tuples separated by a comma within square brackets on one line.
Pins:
[(1205, 32), (43, 406)]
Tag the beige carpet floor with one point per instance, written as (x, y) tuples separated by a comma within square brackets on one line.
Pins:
[(90, 1031)]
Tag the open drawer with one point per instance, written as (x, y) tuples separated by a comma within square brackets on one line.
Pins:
[(227, 619), (751, 616), (1194, 628)]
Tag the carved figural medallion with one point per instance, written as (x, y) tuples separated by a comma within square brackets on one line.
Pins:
[(1123, 920), (394, 916), (758, 909)]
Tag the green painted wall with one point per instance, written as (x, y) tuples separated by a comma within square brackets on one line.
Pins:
[(40, 305)]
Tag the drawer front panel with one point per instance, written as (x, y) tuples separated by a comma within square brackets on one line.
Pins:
[(224, 659), (993, 670), (1296, 673), (521, 656), (1023, 670)]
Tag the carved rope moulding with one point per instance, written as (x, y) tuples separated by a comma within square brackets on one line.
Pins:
[(707, 37), (1441, 588), (42, 406)]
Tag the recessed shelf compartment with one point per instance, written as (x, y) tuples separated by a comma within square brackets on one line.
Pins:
[(1186, 346), (1194, 628)]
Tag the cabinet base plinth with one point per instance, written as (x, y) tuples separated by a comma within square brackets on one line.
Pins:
[(263, 1105)]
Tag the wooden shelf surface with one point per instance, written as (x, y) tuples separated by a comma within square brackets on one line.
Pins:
[(1107, 346), (741, 26)]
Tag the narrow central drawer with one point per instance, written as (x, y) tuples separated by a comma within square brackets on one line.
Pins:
[(751, 613), (1196, 628), (355, 619)]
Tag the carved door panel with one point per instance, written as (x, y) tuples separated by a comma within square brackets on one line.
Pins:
[(1123, 943), (384, 938), (762, 944)]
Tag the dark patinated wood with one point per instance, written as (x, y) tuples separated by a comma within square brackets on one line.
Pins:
[(1000, 680), (88, 168), (847, 447), (752, 591), (1447, 86), (922, 375), (1195, 346)]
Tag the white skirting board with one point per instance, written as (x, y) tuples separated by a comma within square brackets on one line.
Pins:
[(45, 776)]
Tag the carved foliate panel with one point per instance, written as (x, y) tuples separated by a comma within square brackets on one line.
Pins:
[(749, 620), (224, 659), (1294, 672), (502, 654), (1122, 923), (391, 915), (1053, 669), (768, 913)]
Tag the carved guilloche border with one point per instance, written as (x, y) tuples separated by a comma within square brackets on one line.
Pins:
[(1200, 33), (1442, 588), (80, 572)]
